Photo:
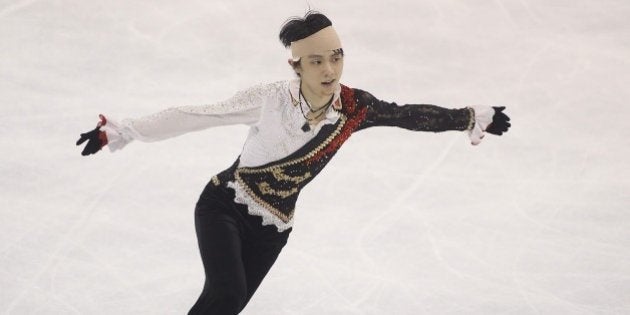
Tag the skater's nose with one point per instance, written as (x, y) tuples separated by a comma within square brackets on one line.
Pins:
[(328, 69)]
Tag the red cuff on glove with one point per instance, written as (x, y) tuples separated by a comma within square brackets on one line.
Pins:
[(102, 135)]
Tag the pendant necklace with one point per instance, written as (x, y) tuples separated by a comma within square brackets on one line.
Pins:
[(307, 126)]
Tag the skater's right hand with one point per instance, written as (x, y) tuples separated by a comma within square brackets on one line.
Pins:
[(96, 139)]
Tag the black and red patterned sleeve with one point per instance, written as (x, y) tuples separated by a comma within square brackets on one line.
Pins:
[(420, 117)]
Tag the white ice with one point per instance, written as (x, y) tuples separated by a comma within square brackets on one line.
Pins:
[(534, 222)]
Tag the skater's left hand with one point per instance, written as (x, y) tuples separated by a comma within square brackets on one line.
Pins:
[(488, 119), (500, 122)]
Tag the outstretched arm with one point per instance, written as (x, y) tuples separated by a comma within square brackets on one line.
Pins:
[(421, 117), (476, 120), (242, 108)]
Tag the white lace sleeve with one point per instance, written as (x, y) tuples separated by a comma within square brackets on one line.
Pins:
[(242, 108)]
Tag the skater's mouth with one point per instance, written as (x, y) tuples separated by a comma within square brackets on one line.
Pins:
[(328, 83)]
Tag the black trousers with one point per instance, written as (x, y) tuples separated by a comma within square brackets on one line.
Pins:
[(237, 251)]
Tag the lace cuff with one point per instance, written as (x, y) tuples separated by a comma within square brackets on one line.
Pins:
[(116, 137)]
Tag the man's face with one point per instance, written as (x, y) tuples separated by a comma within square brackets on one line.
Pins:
[(321, 72)]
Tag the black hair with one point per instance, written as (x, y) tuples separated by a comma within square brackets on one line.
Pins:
[(297, 28)]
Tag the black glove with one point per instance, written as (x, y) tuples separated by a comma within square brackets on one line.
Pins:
[(96, 138), (500, 122)]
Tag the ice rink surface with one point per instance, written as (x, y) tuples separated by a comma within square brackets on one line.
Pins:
[(534, 222)]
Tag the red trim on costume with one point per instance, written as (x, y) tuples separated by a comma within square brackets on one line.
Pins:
[(349, 103), (353, 122)]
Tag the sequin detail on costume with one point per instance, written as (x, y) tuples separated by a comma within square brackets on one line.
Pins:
[(356, 118), (241, 101), (417, 117), (275, 187), (271, 190)]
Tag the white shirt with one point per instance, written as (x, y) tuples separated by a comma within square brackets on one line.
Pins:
[(276, 123), (272, 110)]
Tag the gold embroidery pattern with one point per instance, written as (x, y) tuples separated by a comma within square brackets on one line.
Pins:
[(279, 169), (280, 175), (266, 189), (471, 123)]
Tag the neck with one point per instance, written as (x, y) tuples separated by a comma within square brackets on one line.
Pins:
[(316, 101)]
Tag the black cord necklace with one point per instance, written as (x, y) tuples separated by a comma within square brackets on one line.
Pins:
[(310, 108), (307, 126)]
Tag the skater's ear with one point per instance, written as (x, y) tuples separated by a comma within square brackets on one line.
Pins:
[(296, 66)]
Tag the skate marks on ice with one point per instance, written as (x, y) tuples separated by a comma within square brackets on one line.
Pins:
[(69, 239), (15, 7), (385, 220), (557, 244)]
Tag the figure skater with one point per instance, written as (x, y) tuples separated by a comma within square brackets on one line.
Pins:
[(245, 213)]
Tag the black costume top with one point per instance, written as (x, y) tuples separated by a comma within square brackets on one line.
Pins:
[(276, 185)]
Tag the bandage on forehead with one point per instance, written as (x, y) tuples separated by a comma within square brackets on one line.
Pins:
[(324, 40)]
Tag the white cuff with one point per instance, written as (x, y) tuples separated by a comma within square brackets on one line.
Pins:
[(483, 118), (116, 137)]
